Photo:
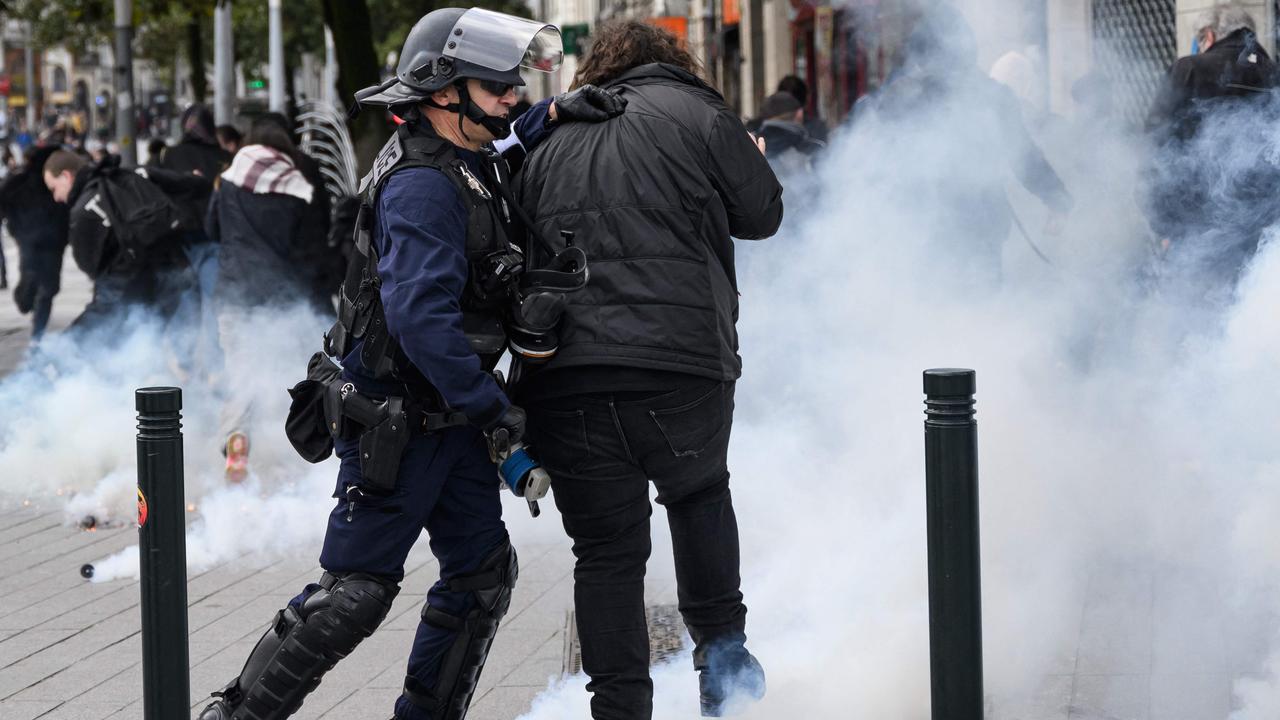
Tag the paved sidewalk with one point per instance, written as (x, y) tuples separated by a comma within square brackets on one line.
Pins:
[(15, 329), (71, 649)]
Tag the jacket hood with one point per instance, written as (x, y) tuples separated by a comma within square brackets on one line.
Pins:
[(198, 125)]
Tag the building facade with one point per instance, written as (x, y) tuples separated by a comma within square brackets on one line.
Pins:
[(844, 49)]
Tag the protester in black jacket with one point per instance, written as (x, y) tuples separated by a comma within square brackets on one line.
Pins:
[(198, 153), (1210, 191), (154, 277), (1230, 66), (39, 225), (788, 145), (260, 216), (642, 385), (313, 254)]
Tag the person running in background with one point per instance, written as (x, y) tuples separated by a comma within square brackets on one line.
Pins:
[(38, 225)]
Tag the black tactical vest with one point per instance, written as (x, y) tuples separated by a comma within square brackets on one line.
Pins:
[(485, 299)]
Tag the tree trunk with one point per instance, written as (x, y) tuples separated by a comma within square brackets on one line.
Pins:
[(358, 68), (195, 57)]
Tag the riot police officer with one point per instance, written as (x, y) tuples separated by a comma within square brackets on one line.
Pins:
[(419, 330)]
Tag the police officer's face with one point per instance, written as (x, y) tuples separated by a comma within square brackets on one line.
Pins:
[(493, 105)]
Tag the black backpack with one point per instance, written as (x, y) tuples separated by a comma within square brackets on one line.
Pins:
[(141, 214)]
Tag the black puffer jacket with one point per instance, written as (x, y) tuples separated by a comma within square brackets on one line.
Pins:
[(261, 236), (653, 197), (193, 156)]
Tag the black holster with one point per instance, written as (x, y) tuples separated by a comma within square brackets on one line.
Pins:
[(382, 427), (382, 443)]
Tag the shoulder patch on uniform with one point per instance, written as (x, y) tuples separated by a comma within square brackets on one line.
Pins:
[(387, 159)]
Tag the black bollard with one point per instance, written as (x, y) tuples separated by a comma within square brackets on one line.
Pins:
[(162, 551), (955, 587)]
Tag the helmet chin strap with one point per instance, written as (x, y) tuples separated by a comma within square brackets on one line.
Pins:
[(499, 127)]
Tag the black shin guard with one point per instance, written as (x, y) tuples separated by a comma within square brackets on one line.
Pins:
[(460, 668), (302, 645)]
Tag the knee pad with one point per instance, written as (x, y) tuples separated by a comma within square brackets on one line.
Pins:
[(459, 673), (305, 640)]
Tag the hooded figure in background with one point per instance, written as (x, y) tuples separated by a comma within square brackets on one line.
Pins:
[(198, 151), (939, 83), (39, 225)]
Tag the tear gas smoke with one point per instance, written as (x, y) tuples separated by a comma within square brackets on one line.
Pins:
[(67, 438), (68, 435), (1121, 419), (1122, 424)]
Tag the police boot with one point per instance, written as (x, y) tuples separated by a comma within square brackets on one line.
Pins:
[(303, 643), (726, 671)]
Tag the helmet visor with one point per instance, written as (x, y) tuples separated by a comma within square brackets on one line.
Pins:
[(503, 42)]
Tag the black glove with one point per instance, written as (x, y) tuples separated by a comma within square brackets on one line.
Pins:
[(589, 104), (508, 431)]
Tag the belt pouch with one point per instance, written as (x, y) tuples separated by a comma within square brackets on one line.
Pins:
[(307, 426)]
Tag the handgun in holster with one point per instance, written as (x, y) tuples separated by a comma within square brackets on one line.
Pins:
[(384, 432)]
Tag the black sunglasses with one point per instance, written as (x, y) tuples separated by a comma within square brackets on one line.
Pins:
[(496, 88)]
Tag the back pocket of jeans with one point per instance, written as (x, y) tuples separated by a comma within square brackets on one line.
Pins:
[(690, 428), (561, 438)]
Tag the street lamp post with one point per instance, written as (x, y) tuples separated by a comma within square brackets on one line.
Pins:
[(276, 56), (30, 78), (224, 88), (124, 83)]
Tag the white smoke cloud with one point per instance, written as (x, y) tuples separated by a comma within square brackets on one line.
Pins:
[(1123, 423), (68, 437)]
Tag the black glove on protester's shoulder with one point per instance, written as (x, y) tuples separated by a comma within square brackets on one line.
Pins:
[(589, 104)]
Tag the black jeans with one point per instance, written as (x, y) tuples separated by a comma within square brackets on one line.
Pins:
[(602, 449)]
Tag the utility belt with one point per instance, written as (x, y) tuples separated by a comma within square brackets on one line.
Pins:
[(383, 425), (327, 407)]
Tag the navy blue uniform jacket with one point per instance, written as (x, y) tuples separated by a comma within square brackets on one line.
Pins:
[(421, 237)]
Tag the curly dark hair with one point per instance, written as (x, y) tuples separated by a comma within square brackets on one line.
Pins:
[(619, 45)]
